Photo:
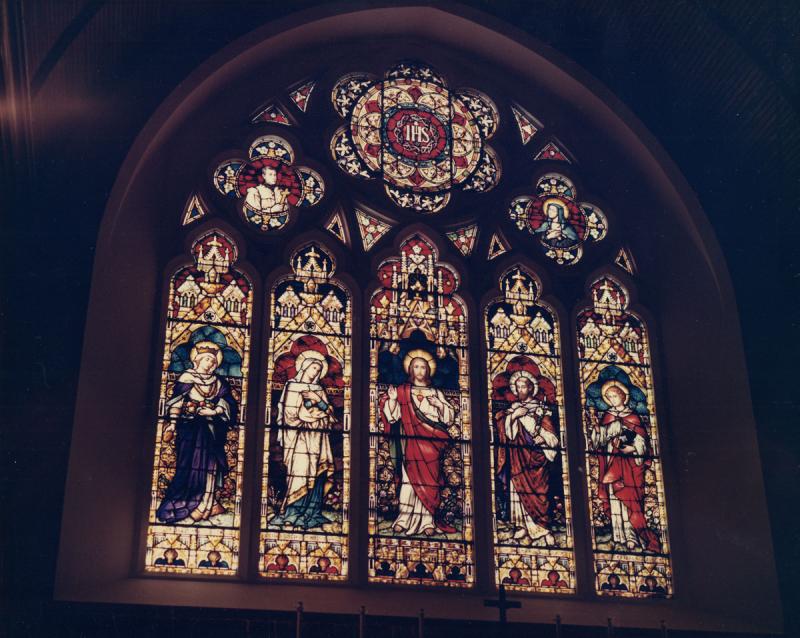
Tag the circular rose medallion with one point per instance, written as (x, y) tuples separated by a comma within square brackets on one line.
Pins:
[(415, 134)]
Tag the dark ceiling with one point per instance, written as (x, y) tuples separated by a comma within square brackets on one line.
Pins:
[(716, 82)]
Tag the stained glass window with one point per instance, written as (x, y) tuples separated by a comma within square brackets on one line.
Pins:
[(624, 261), (421, 138), (371, 228), (271, 114), (193, 211), (562, 224), (420, 500), (195, 504), (623, 460), (337, 226), (530, 479), (464, 238), (423, 141), (306, 480), (552, 152), (269, 183), (525, 124), (301, 96), (497, 246)]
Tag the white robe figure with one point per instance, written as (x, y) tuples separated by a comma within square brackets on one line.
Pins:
[(305, 416)]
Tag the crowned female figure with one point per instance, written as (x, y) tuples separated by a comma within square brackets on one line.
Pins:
[(623, 444), (528, 446), (305, 416), (201, 411), (419, 418)]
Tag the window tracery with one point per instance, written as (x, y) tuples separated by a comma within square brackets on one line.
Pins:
[(418, 136), (269, 183), (561, 223), (423, 141)]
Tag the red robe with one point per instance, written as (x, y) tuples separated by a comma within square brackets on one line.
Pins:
[(422, 455), (628, 478), (529, 468)]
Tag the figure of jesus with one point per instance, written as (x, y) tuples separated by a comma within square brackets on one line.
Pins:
[(529, 443), (623, 442), (269, 197), (421, 418)]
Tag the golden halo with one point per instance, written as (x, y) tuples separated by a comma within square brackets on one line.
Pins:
[(559, 202), (614, 384), (420, 354), (312, 355), (524, 374), (202, 347)]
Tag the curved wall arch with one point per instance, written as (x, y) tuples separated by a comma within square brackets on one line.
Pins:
[(683, 280)]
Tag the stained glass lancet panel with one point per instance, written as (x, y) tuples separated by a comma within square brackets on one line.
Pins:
[(306, 476), (623, 460), (195, 504), (420, 503), (533, 542)]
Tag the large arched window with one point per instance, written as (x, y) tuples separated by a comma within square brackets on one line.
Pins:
[(408, 391), (427, 144)]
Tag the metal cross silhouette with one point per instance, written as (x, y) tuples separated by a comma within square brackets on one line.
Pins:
[(502, 604)]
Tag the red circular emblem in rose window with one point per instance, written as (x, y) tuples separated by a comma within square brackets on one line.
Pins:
[(416, 134)]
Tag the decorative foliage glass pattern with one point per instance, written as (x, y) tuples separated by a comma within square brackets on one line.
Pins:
[(420, 503), (464, 238), (623, 461), (533, 542), (418, 136), (525, 124), (371, 229), (306, 480), (562, 225), (195, 505), (269, 183)]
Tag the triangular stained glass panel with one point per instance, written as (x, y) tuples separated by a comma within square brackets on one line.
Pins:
[(497, 246), (301, 95), (527, 129), (272, 114), (337, 226), (464, 239), (552, 152), (371, 228), (194, 211), (624, 261)]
